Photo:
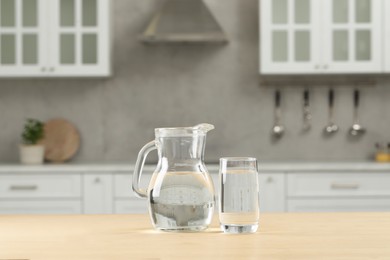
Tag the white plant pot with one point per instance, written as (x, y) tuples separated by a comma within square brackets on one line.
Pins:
[(32, 154)]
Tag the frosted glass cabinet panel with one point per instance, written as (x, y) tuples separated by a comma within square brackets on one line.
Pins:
[(321, 36), (352, 36), (386, 42), (54, 38), (81, 40), (22, 37), (289, 33)]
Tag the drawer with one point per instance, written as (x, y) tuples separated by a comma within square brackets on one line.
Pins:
[(40, 186), (129, 206), (338, 184), (40, 207), (338, 205)]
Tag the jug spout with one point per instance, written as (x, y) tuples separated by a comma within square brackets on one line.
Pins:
[(204, 127)]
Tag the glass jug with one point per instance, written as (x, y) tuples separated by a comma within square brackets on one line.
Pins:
[(181, 193)]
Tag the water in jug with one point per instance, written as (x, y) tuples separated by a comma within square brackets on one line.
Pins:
[(181, 192)]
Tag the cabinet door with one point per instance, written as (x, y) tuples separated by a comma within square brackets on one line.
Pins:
[(290, 38), (98, 194), (23, 42), (272, 192), (352, 36), (386, 37), (79, 38)]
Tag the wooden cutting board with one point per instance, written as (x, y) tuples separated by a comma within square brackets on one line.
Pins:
[(62, 140)]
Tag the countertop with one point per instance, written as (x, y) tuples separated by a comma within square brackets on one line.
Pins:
[(281, 236), (264, 167)]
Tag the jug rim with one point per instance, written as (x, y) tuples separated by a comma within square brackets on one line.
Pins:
[(200, 129)]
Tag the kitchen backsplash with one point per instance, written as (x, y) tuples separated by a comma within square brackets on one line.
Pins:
[(182, 85)]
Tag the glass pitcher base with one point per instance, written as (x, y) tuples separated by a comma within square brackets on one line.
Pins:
[(182, 229), (239, 229)]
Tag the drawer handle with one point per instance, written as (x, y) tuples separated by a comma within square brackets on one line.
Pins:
[(344, 186), (23, 187)]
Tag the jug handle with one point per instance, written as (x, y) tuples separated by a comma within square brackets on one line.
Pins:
[(139, 165)]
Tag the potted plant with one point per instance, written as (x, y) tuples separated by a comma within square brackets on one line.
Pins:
[(31, 151)]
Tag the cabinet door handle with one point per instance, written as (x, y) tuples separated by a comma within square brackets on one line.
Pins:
[(52, 69), (270, 180), (97, 180), (43, 69), (344, 186), (23, 187), (325, 66)]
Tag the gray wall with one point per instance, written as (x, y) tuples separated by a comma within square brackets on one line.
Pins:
[(182, 85)]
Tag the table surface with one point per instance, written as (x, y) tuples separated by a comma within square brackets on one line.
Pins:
[(280, 236)]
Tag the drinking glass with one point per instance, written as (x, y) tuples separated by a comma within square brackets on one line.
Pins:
[(239, 195)]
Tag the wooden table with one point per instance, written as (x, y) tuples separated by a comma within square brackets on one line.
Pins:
[(281, 236)]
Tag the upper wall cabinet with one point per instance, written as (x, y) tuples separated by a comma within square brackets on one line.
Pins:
[(386, 35), (54, 38), (321, 36)]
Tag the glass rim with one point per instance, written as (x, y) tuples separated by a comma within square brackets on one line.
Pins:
[(237, 159)]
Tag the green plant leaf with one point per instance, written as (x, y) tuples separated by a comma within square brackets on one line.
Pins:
[(33, 131)]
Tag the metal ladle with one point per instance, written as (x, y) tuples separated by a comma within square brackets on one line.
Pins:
[(278, 128), (331, 128), (356, 129), (306, 111)]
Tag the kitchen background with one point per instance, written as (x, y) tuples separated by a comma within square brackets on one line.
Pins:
[(163, 85)]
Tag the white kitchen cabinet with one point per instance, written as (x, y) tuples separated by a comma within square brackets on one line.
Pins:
[(352, 36), (23, 37), (386, 38), (79, 37), (96, 189), (54, 38), (290, 36), (272, 192), (338, 191), (321, 36), (97, 193)]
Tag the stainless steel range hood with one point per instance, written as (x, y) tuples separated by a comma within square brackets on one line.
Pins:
[(184, 21)]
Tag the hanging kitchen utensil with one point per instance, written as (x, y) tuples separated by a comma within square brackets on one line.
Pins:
[(306, 111), (331, 127), (278, 128), (356, 129)]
